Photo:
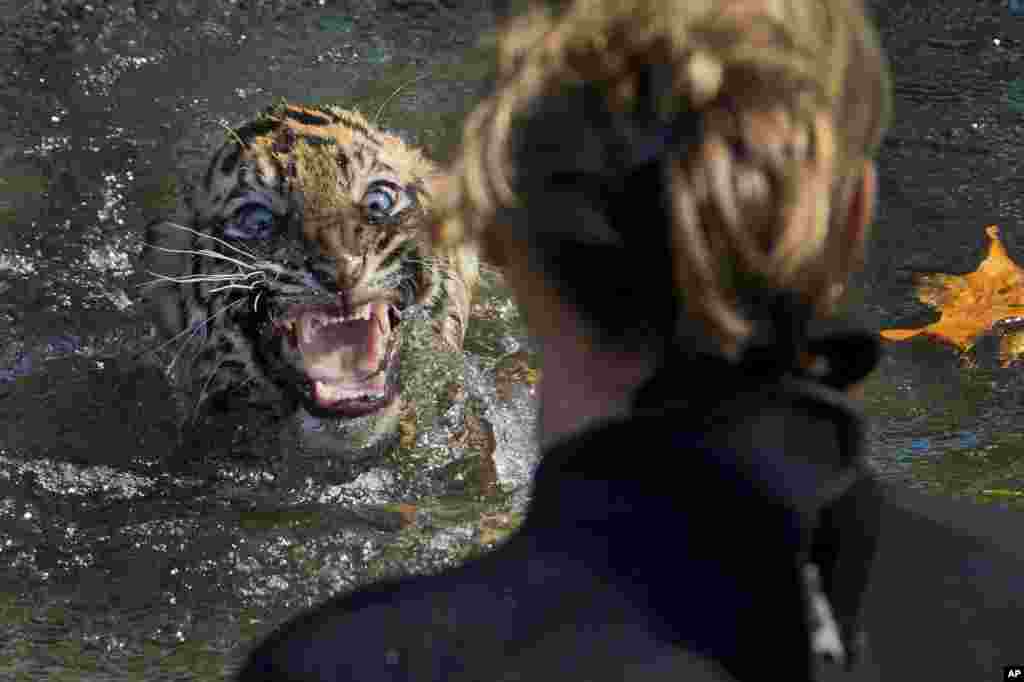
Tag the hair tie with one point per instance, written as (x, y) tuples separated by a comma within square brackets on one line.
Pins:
[(652, 144), (659, 125)]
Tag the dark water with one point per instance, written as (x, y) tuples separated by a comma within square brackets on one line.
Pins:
[(114, 566), (951, 166)]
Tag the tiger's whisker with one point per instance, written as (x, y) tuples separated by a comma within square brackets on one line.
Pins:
[(194, 328), (247, 287), (206, 252), (216, 239), (395, 93), (181, 347), (268, 266), (193, 279), (204, 391), (423, 261), (233, 135)]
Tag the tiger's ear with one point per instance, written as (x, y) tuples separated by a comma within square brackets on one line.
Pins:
[(159, 260)]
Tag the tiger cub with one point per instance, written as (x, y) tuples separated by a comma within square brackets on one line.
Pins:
[(306, 249)]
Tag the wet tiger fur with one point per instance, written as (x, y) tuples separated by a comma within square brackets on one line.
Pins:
[(305, 249)]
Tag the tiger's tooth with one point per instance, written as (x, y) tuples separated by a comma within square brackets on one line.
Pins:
[(306, 330), (329, 392)]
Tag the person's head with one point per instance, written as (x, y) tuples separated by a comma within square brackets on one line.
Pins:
[(659, 165)]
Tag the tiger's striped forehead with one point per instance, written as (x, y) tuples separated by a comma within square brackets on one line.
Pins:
[(317, 162), (311, 137)]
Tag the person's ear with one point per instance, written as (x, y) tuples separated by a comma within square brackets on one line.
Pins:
[(860, 211)]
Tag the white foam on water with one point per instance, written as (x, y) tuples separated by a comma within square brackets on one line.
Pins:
[(516, 453)]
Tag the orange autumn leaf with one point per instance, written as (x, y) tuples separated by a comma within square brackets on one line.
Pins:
[(971, 304)]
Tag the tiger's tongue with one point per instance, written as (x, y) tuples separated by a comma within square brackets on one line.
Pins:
[(342, 353)]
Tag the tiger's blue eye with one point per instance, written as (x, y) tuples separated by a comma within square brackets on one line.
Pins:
[(380, 200), (251, 221)]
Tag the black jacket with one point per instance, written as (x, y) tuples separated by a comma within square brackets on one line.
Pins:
[(669, 546)]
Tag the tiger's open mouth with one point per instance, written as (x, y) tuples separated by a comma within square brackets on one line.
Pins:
[(346, 359)]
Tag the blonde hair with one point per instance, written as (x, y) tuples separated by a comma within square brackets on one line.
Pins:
[(786, 92)]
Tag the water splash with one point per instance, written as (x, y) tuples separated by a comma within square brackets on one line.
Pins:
[(514, 421)]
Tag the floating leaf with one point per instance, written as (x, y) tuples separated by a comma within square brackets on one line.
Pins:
[(974, 303)]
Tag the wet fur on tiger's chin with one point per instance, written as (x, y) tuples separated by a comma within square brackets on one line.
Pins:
[(288, 285)]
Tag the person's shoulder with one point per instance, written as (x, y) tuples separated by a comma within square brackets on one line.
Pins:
[(336, 639), (378, 631), (512, 615)]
